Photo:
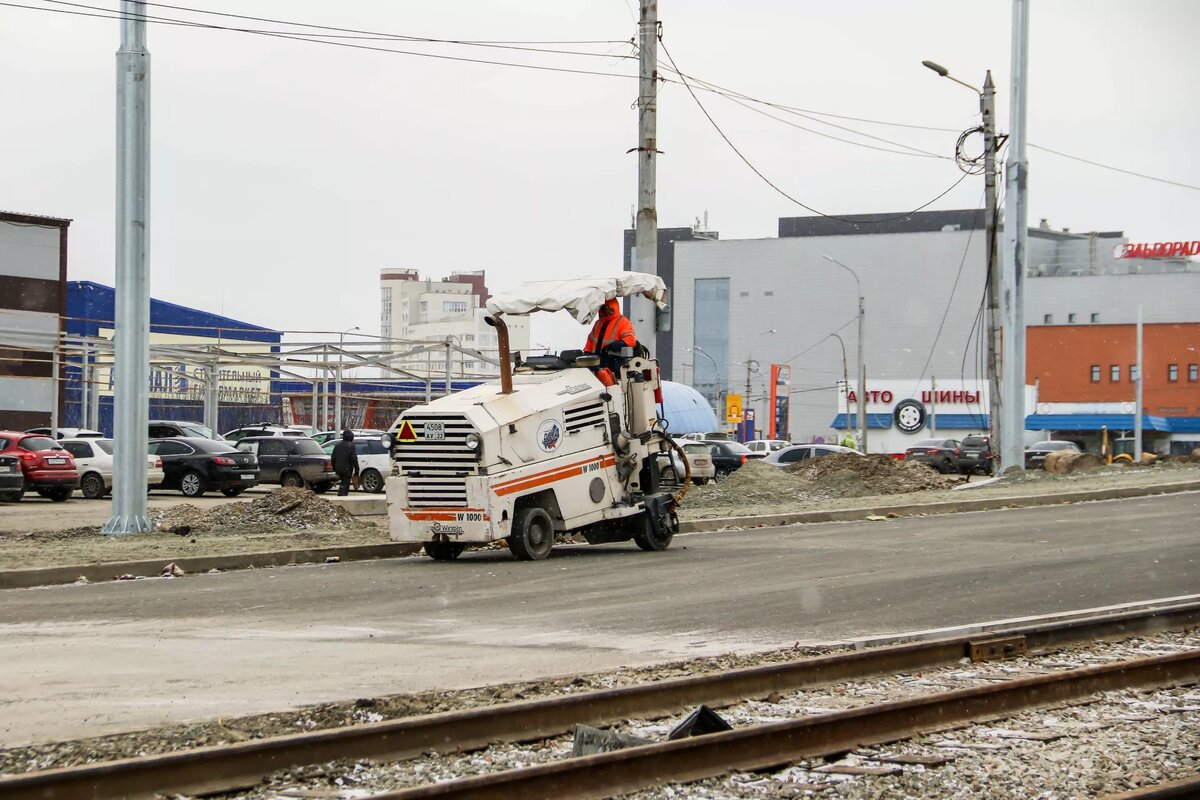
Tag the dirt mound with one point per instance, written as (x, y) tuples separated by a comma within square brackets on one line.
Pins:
[(846, 475), (1064, 462), (832, 476), (281, 509)]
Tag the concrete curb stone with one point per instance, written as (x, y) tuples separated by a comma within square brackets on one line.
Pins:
[(108, 571)]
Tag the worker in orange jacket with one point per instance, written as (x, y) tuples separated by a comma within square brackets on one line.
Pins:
[(612, 332)]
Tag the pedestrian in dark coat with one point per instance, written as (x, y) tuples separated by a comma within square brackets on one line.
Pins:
[(345, 462)]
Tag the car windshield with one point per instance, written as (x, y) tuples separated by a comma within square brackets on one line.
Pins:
[(695, 449), (737, 448), (1054, 446), (975, 441), (212, 446), (195, 429), (39, 443), (307, 447)]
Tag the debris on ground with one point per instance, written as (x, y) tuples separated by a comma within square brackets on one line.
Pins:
[(1064, 462), (284, 508), (833, 476)]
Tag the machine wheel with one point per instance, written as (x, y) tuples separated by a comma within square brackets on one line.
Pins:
[(371, 481), (192, 484), (322, 487), (532, 534), (233, 491), (60, 494), (292, 480), (646, 537), (12, 497), (92, 486), (444, 551)]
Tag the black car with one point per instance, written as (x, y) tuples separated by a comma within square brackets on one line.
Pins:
[(727, 456), (194, 465), (1035, 454), (12, 480), (290, 461), (943, 455), (977, 455)]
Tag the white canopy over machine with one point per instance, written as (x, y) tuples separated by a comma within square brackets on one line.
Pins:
[(582, 297)]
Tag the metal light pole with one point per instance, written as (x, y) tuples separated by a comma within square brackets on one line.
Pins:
[(987, 109), (845, 379), (862, 367), (337, 392), (131, 413), (716, 372), (642, 310), (1016, 235)]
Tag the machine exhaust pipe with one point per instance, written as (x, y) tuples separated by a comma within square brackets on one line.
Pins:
[(505, 359)]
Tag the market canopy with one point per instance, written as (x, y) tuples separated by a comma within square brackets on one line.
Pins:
[(582, 297)]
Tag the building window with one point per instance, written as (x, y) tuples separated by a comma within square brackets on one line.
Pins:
[(1193, 373), (768, 294), (1047, 319), (1095, 317), (1133, 373), (1070, 319), (1172, 373), (1095, 373), (454, 307), (710, 332), (1114, 373)]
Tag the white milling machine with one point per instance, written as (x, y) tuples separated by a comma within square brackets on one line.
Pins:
[(547, 449)]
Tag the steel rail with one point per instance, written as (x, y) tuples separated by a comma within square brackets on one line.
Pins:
[(235, 766), (780, 743), (1186, 787)]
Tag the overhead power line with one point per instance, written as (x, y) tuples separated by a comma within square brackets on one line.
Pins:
[(1115, 169)]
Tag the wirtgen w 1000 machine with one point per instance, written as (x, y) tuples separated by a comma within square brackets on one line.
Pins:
[(557, 445)]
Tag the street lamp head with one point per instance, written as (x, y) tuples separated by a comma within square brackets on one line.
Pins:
[(938, 68)]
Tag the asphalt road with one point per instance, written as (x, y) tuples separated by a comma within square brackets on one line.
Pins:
[(84, 660)]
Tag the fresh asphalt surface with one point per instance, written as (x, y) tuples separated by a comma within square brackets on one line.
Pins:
[(89, 659)]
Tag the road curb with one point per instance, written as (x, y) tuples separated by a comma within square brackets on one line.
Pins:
[(948, 507), (153, 568)]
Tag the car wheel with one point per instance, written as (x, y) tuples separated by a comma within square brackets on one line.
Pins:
[(12, 497), (292, 480), (532, 535), (371, 481), (721, 475), (322, 487), (60, 494), (92, 486), (947, 467), (192, 484), (699, 481), (233, 491), (444, 551)]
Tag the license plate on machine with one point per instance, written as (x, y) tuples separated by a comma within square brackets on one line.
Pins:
[(247, 476), (435, 431)]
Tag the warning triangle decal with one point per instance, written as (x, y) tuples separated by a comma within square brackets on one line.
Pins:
[(407, 434)]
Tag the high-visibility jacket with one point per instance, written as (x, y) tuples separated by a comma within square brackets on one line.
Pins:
[(612, 328)]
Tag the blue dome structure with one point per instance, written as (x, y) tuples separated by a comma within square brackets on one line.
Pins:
[(686, 410)]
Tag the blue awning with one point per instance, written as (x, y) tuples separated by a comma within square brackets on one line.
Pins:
[(957, 422), (1114, 422)]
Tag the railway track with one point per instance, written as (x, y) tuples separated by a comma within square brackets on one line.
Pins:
[(233, 767)]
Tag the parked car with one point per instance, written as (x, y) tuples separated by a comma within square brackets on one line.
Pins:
[(194, 464), (1035, 454), (374, 459), (94, 463), (359, 433), (263, 429), (726, 457), (766, 446), (796, 453), (68, 433), (12, 482), (290, 461), (699, 460), (941, 454), (165, 429), (45, 467), (977, 454)]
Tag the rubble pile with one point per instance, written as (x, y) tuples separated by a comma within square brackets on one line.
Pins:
[(281, 509), (858, 476)]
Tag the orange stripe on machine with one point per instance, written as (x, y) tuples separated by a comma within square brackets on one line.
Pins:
[(557, 474), (448, 514)]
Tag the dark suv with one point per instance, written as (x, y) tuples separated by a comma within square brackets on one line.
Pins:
[(43, 466), (290, 461), (194, 465), (941, 454), (977, 455)]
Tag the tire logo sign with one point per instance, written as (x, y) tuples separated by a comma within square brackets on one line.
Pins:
[(549, 436), (909, 416)]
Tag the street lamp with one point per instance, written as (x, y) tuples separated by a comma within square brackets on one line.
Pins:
[(862, 367), (845, 379), (337, 393), (716, 372), (987, 109)]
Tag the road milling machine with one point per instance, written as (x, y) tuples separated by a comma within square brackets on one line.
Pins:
[(558, 445)]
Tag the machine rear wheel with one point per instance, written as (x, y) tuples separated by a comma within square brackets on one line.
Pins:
[(647, 538), (532, 535), (444, 551)]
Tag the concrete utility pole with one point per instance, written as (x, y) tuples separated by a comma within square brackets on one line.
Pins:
[(1016, 235), (131, 387), (987, 108), (1137, 395), (643, 313)]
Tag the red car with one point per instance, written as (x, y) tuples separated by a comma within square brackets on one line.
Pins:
[(45, 467)]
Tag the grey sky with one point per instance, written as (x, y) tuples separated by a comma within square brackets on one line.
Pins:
[(286, 174)]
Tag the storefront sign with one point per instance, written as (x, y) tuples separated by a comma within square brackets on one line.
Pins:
[(1157, 249)]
